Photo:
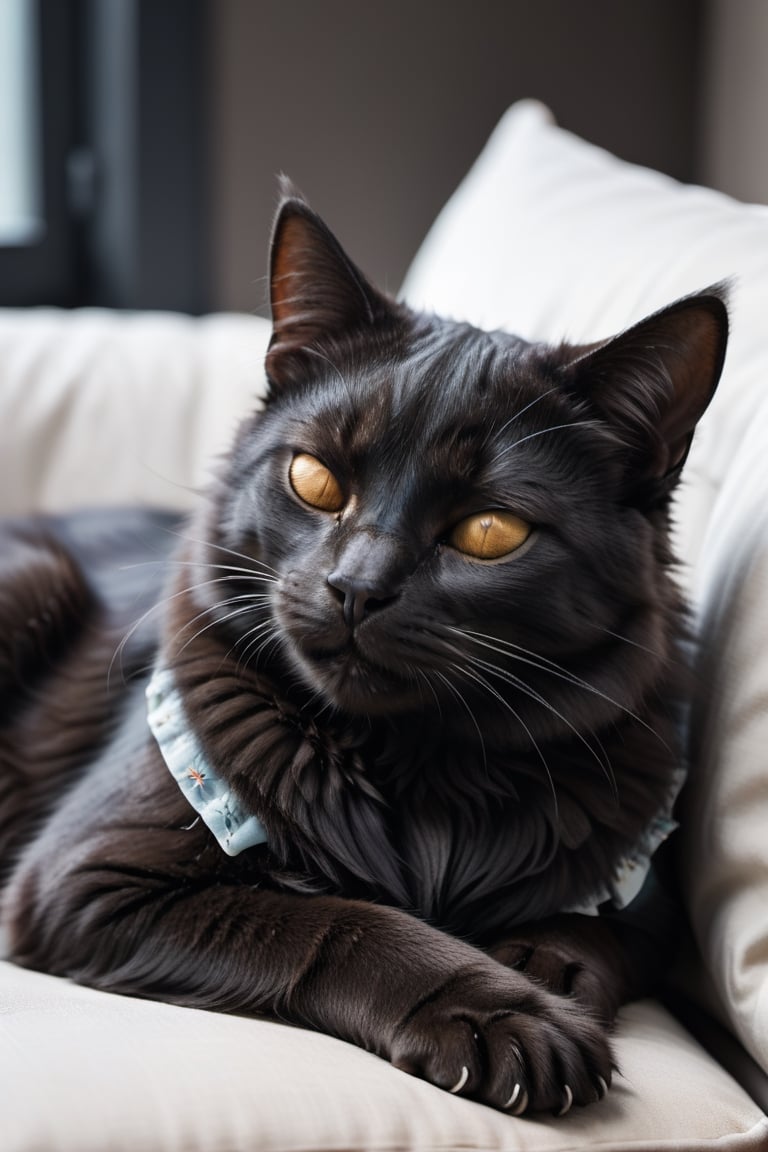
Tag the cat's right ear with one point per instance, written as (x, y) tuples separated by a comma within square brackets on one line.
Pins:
[(316, 293)]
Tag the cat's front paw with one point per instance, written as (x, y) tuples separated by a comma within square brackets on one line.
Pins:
[(571, 955), (491, 1035)]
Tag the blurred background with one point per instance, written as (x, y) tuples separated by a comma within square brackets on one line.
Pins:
[(140, 139)]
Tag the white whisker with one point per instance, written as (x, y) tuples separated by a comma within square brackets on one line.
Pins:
[(242, 611), (626, 640), (475, 675), (523, 410), (251, 601), (204, 565), (259, 641), (223, 548), (542, 432), (422, 672), (526, 689), (162, 603), (312, 351), (453, 689), (544, 664)]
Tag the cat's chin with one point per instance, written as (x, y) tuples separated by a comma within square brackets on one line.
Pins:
[(351, 684)]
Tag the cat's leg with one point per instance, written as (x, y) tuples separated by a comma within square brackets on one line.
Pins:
[(600, 961), (571, 955), (130, 898)]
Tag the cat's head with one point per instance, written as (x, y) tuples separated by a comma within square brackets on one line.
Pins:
[(461, 523)]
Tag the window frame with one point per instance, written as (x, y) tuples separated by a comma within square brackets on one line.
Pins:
[(124, 142)]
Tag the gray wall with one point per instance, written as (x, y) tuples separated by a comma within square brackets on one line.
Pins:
[(376, 108), (734, 124)]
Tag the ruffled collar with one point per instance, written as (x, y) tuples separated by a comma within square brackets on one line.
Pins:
[(209, 795)]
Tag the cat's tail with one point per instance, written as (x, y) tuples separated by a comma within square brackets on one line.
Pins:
[(45, 604)]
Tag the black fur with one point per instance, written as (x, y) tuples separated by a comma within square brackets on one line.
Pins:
[(442, 749)]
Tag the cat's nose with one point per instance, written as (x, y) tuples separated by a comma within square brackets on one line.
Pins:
[(359, 597)]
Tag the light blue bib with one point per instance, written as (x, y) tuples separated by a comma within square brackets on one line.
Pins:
[(208, 794)]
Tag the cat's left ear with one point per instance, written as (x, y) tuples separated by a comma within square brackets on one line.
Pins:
[(316, 292), (653, 382)]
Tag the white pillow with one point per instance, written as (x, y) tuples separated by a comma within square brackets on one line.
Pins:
[(551, 237), (106, 408)]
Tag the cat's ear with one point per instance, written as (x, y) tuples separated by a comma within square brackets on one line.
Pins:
[(316, 292), (653, 382)]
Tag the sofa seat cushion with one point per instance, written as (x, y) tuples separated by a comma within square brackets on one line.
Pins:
[(87, 1071)]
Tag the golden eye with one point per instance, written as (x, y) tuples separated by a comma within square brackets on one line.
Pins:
[(490, 535), (315, 484)]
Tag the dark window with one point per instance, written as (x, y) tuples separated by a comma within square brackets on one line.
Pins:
[(103, 135)]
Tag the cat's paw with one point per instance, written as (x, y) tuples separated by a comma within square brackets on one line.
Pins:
[(570, 955), (493, 1036)]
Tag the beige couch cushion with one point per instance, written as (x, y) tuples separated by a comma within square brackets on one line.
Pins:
[(549, 236), (100, 407), (85, 1071)]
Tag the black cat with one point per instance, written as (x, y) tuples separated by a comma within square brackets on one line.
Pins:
[(416, 679)]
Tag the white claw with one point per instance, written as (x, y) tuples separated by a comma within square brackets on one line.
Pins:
[(603, 1087), (461, 1080), (568, 1101), (522, 1105), (513, 1097)]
